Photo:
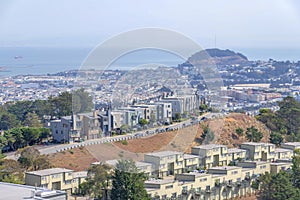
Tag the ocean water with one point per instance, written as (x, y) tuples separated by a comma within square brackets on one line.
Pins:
[(46, 60)]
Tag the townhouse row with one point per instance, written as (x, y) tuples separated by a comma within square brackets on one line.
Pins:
[(223, 182), (56, 179), (101, 123)]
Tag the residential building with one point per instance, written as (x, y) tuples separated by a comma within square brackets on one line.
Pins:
[(277, 167), (144, 167), (259, 151), (235, 154), (165, 163), (281, 153), (211, 155), (291, 145), (62, 130), (191, 162), (56, 179)]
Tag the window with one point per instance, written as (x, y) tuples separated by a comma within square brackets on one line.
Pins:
[(263, 167), (56, 176), (44, 178), (161, 166), (174, 195), (234, 172), (203, 179), (164, 196), (169, 186)]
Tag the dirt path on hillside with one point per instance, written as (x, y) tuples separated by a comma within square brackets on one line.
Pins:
[(109, 151), (182, 140)]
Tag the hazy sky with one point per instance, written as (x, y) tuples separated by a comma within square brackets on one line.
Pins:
[(235, 23)]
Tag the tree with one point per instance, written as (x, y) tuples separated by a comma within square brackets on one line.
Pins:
[(32, 120), (143, 122), (96, 181), (239, 131), (296, 168), (128, 182), (177, 116), (253, 135), (8, 121), (276, 138), (11, 171)]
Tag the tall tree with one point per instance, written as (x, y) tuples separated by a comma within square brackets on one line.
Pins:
[(8, 121), (96, 181), (32, 120), (128, 182)]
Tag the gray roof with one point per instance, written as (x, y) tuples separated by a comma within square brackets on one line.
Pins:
[(189, 156), (16, 191), (163, 153), (46, 172), (281, 150), (236, 150), (209, 146), (224, 168), (295, 144)]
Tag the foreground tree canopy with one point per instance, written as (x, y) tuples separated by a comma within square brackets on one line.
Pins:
[(128, 182), (285, 122)]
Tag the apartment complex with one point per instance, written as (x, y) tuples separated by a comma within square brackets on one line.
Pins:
[(259, 151), (165, 163), (220, 181), (56, 179)]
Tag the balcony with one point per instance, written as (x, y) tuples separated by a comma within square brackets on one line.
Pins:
[(208, 190)]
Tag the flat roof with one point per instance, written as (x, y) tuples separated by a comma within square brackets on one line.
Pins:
[(46, 172), (16, 191), (209, 146), (163, 153), (281, 163), (224, 168), (280, 150), (292, 143), (81, 174), (188, 156), (115, 161), (159, 181), (196, 174), (258, 143), (236, 150)]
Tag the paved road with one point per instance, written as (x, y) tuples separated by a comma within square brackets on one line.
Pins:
[(49, 149)]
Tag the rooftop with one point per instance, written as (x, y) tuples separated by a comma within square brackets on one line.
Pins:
[(292, 143), (159, 181), (163, 153), (257, 143), (281, 150), (224, 168), (16, 191), (46, 172), (209, 146), (236, 150), (189, 156)]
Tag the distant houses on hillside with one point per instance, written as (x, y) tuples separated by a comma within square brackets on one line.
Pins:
[(97, 124)]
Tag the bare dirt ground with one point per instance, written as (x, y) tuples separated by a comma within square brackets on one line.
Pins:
[(76, 159), (109, 151)]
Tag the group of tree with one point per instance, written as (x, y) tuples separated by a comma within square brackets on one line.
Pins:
[(125, 181), (33, 113), (16, 138), (284, 123), (283, 185), (12, 171)]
